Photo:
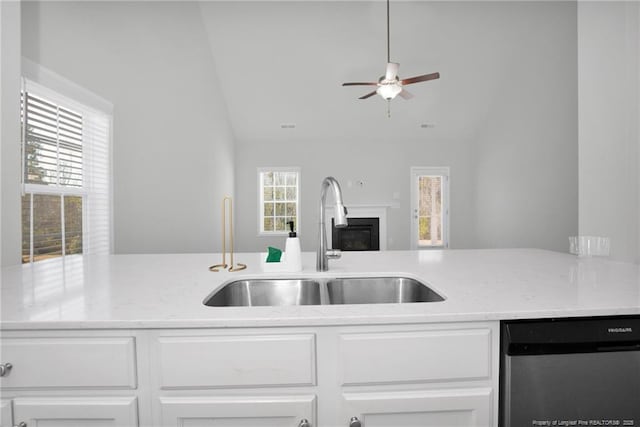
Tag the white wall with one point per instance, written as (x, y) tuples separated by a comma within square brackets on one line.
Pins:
[(514, 180), (173, 149), (608, 111), (526, 186), (10, 132), (384, 169)]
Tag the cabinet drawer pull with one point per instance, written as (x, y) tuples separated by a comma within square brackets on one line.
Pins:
[(4, 370), (304, 423), (355, 422)]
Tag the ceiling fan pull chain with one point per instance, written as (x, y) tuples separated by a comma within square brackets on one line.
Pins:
[(388, 108)]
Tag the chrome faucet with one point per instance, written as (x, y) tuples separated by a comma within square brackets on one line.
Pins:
[(340, 216)]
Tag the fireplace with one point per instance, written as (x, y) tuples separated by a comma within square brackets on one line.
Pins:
[(361, 234)]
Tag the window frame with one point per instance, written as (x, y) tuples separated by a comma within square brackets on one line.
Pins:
[(49, 85), (445, 173), (260, 171)]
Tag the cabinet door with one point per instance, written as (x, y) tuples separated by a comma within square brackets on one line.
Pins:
[(238, 411), (76, 412), (429, 408), (6, 420)]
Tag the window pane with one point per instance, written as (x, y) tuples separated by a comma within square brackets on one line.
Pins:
[(279, 200), (425, 232), (268, 178), (73, 224), (425, 184), (26, 228), (268, 193), (291, 193), (47, 227), (430, 210)]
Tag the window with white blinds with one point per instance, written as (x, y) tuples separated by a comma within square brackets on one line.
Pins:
[(66, 180)]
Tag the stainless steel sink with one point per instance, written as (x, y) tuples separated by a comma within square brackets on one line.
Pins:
[(379, 290), (354, 290), (261, 292)]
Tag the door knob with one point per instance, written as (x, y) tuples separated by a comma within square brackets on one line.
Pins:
[(22, 424), (304, 423), (355, 422), (5, 368)]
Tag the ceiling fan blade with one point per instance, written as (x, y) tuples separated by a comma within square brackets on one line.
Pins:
[(370, 94), (419, 79), (360, 84), (406, 94), (392, 71)]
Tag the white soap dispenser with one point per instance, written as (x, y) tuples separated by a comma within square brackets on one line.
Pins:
[(293, 253)]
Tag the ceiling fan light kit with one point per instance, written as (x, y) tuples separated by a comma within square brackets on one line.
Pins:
[(389, 86)]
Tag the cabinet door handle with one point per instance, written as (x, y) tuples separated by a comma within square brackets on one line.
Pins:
[(304, 423), (4, 370), (355, 422)]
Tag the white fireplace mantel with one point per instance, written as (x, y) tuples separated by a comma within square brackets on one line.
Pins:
[(361, 211)]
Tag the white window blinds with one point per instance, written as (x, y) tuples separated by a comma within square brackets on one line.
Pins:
[(66, 154), (53, 143)]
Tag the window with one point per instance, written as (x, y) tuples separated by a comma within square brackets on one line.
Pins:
[(66, 195), (430, 207), (279, 193)]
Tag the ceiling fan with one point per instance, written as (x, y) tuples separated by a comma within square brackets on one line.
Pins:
[(390, 85)]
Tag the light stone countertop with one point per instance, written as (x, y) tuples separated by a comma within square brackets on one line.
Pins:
[(166, 291)]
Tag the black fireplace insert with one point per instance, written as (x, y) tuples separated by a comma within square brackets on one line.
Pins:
[(361, 234)]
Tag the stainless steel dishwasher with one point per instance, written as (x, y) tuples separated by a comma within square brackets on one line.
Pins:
[(570, 372)]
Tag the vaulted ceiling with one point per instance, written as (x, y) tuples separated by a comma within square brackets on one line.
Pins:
[(282, 62)]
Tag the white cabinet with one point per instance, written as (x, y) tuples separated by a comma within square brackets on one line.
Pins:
[(6, 418), (388, 376), (76, 411), (424, 376), (424, 355), (69, 362), (70, 379), (419, 375), (239, 411), (469, 407), (215, 360)]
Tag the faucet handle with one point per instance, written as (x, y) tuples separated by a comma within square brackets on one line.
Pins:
[(334, 253)]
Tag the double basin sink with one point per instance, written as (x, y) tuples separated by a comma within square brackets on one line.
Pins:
[(316, 291)]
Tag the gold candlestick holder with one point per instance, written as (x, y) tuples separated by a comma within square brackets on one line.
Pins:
[(223, 265)]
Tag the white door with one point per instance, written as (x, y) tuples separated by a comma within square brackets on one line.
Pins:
[(76, 411), (238, 411), (421, 408), (6, 420), (429, 207)]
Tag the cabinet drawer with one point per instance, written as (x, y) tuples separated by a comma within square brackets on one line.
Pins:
[(69, 362), (89, 411), (243, 410), (470, 407), (418, 356), (236, 361)]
